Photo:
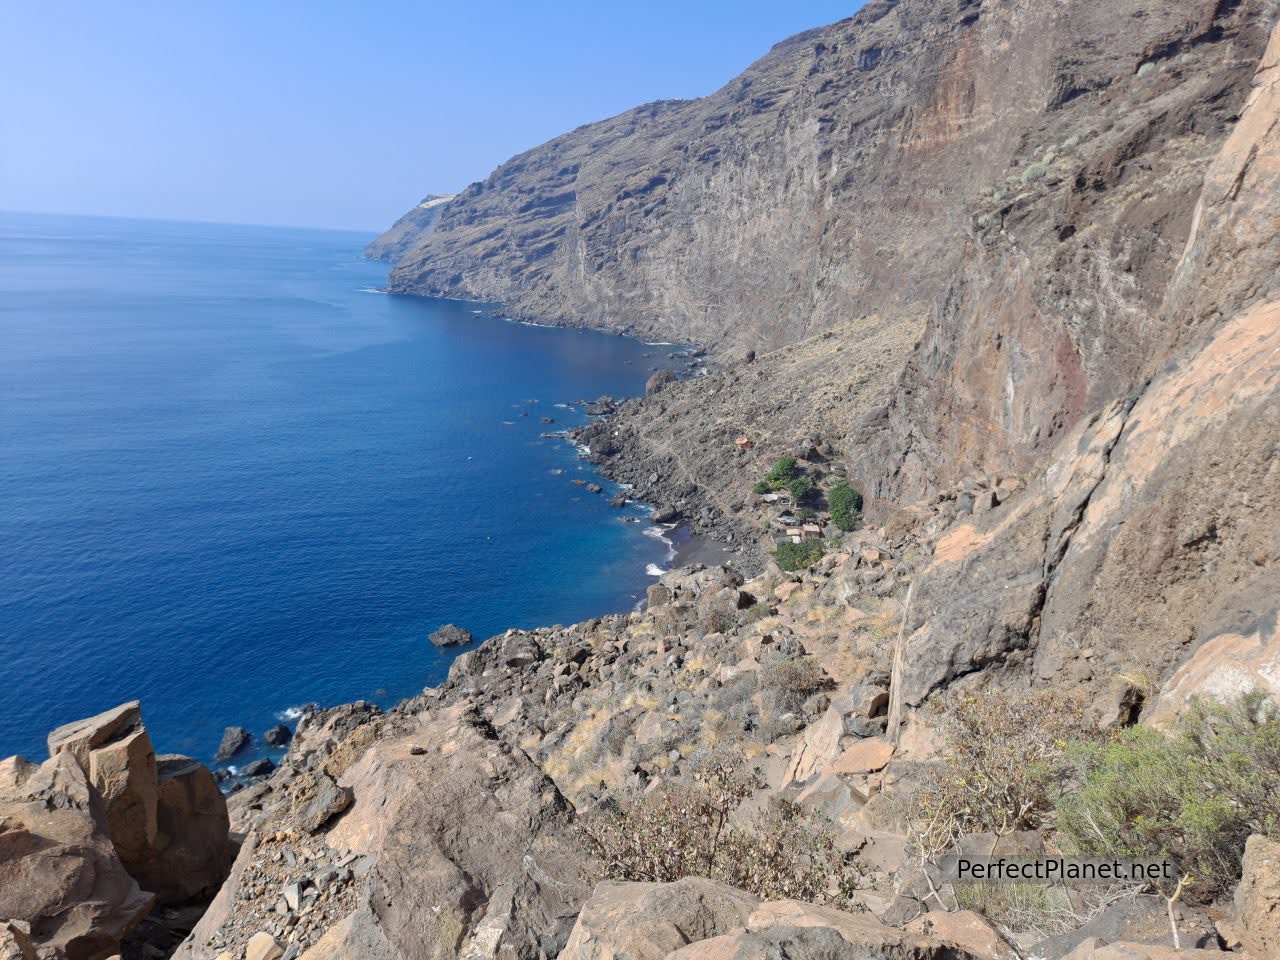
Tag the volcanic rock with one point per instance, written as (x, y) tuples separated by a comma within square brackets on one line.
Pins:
[(234, 739), (450, 636)]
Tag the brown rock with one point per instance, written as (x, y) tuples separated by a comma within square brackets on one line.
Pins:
[(59, 871), (317, 798), (819, 745), (81, 737), (168, 821), (473, 847), (857, 929), (193, 852), (967, 930), (262, 946), (15, 941), (1258, 897), (648, 921), (113, 748), (865, 756), (124, 772)]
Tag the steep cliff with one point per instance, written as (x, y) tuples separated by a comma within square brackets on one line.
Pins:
[(837, 176)]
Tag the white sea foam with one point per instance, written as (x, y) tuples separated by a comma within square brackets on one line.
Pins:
[(654, 570), (660, 533), (373, 290), (583, 449), (291, 713)]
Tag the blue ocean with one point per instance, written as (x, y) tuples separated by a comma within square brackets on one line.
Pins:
[(235, 478)]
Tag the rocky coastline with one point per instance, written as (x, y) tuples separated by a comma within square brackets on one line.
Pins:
[(1050, 630)]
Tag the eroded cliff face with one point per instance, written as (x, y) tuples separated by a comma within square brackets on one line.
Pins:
[(834, 178), (1070, 293), (1154, 528)]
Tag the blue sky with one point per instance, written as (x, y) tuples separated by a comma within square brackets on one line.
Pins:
[(333, 114)]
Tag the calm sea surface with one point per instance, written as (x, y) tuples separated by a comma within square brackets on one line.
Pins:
[(234, 479)]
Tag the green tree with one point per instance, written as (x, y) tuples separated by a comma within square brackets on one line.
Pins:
[(800, 488), (783, 472), (846, 506)]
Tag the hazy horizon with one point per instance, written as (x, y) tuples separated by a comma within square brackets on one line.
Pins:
[(300, 115)]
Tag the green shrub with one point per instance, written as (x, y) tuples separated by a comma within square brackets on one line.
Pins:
[(783, 472), (799, 488), (683, 830), (761, 488), (1002, 759), (1192, 796), (1035, 172), (846, 506), (797, 556), (807, 513)]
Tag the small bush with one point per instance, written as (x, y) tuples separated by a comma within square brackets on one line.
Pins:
[(846, 506), (719, 620), (1002, 759), (795, 675), (761, 488), (798, 556), (1191, 797), (1035, 172), (683, 830)]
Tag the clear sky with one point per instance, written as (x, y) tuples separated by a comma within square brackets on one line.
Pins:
[(334, 114)]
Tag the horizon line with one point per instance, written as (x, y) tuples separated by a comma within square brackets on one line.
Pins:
[(213, 223)]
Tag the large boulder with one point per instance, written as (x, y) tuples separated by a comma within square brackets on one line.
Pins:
[(648, 921), (114, 749), (859, 931), (59, 872), (965, 929), (464, 848), (166, 817), (1258, 897), (193, 850)]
